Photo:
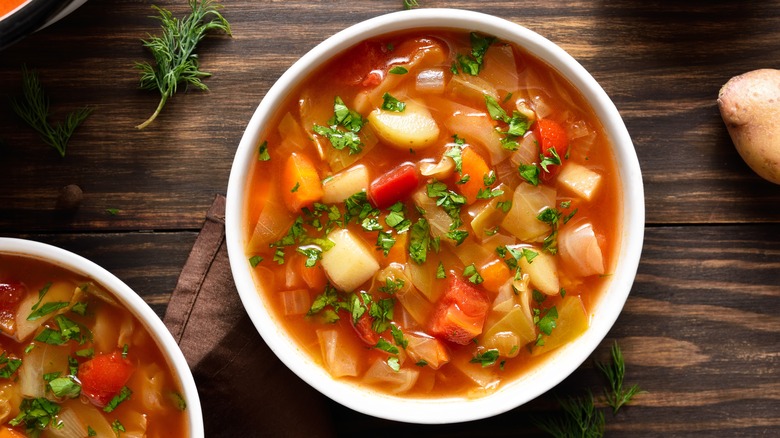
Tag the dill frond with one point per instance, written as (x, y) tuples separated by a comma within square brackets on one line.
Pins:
[(615, 372), (34, 110), (175, 60)]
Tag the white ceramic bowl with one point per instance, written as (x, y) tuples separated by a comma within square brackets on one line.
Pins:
[(133, 302), (31, 16), (560, 362)]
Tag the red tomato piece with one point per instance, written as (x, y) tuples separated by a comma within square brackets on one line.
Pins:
[(364, 330), (551, 135), (360, 66), (394, 185), (11, 292), (460, 313), (103, 377)]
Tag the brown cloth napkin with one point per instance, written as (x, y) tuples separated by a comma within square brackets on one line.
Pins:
[(245, 390)]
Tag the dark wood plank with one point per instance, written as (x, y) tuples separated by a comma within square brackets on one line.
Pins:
[(661, 63)]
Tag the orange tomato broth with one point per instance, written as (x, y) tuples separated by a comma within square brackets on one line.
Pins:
[(346, 76), (155, 408), (7, 6)]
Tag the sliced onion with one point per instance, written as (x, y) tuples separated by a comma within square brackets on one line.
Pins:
[(579, 249), (339, 358), (430, 81), (397, 381), (296, 302)]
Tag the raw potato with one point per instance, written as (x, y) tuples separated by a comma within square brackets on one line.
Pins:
[(750, 107)]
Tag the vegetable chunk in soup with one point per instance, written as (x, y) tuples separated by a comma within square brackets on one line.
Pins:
[(75, 363), (432, 212)]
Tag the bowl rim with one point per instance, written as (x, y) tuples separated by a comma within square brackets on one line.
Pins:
[(130, 299), (31, 16), (561, 362)]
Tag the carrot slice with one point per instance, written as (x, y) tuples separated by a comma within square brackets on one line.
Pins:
[(300, 185), (494, 274), (476, 168)]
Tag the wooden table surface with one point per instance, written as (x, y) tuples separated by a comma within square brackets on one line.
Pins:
[(700, 329)]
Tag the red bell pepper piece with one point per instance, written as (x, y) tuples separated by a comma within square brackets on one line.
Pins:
[(394, 186), (460, 313)]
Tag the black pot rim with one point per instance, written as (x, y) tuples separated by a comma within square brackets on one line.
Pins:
[(28, 19)]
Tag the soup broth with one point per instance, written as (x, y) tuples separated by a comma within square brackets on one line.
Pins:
[(76, 363), (430, 213)]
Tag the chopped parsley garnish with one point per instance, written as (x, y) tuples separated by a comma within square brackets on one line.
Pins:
[(530, 173), (398, 336), (10, 365), (382, 313), (546, 322), (371, 224), (440, 274), (393, 363), (545, 161), (456, 153), (386, 346), (472, 63), (459, 236), (504, 206), (255, 260), (117, 427), (350, 121), (262, 152), (46, 309), (398, 70), (472, 274), (385, 242), (489, 193), (419, 241), (35, 414), (392, 285), (123, 395), (390, 103), (295, 187), (68, 330), (517, 124), (486, 358), (79, 308), (64, 387), (396, 218)]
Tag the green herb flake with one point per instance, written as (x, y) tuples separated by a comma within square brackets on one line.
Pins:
[(386, 346), (123, 395), (262, 152), (390, 103), (385, 242), (46, 309), (440, 274), (255, 260), (9, 365), (472, 274), (64, 387), (419, 240), (486, 358), (393, 363), (398, 336), (35, 414), (398, 70)]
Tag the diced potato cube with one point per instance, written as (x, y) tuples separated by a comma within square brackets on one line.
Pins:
[(579, 179), (413, 128), (350, 262), (543, 272), (510, 333), (344, 184)]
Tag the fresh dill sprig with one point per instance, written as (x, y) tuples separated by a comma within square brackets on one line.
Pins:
[(409, 4), (34, 110), (615, 371), (580, 419), (174, 51)]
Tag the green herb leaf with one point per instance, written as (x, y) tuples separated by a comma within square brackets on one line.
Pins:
[(398, 336), (486, 358), (398, 70), (440, 274), (262, 152), (530, 173), (34, 110), (174, 52), (419, 241), (35, 414), (10, 365), (255, 260), (386, 346), (65, 387), (385, 242), (390, 103), (123, 395), (472, 274)]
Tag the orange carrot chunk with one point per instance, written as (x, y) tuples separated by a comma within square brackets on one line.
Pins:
[(476, 168), (300, 185)]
